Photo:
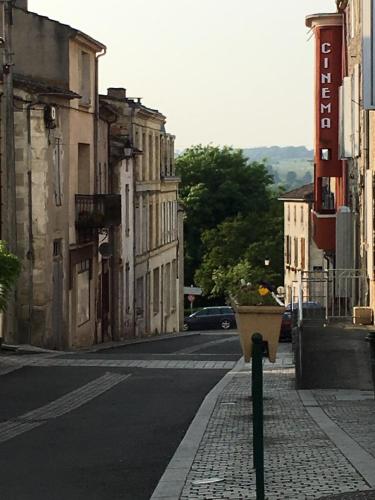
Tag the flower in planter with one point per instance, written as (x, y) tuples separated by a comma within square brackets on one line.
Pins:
[(260, 294)]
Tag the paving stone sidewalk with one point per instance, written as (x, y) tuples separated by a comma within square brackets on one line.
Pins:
[(301, 461)]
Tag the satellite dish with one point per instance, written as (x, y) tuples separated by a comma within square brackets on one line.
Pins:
[(105, 250)]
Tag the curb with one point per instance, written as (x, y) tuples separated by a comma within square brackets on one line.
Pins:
[(143, 340), (173, 480), (29, 349), (353, 495)]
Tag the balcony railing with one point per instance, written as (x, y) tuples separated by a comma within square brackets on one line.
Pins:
[(95, 211)]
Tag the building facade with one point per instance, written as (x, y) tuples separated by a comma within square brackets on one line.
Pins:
[(301, 253), (343, 209), (151, 225), (62, 212)]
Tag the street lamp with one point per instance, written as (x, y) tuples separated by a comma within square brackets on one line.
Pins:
[(128, 152), (267, 261)]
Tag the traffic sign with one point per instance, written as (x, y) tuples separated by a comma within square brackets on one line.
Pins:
[(191, 298), (192, 290)]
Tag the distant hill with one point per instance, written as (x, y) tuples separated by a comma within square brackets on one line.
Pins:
[(291, 166), (279, 153)]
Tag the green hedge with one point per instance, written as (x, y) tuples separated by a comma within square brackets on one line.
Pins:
[(10, 268)]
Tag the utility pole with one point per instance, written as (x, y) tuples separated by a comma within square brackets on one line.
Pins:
[(9, 149)]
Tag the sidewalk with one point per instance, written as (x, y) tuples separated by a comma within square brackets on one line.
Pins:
[(318, 443)]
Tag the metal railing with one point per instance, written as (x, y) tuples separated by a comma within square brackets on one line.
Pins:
[(95, 211), (328, 294)]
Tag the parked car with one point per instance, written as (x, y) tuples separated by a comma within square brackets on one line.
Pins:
[(211, 318), (286, 327), (311, 312)]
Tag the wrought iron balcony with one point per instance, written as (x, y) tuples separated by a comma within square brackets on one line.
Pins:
[(96, 211)]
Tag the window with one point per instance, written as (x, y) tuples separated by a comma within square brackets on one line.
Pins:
[(325, 154), (288, 212), (287, 249), (156, 294), (202, 313), (150, 158), (57, 248), (127, 289), (157, 156), (57, 172), (174, 285), (167, 288), (144, 157), (151, 225), (328, 195), (85, 77), (295, 252), (84, 168), (157, 225), (226, 310), (295, 213), (303, 253), (83, 292), (172, 158), (302, 214), (139, 297)]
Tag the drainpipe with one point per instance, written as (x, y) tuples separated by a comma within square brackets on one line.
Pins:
[(96, 152), (30, 251), (96, 119), (134, 218)]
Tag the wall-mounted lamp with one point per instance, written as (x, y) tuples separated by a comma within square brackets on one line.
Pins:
[(267, 262), (128, 152)]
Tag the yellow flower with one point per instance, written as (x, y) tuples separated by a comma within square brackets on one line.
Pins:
[(263, 291)]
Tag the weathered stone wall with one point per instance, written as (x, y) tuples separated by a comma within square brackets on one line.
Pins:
[(36, 172), (50, 43)]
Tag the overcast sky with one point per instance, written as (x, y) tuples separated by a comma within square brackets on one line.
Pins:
[(236, 72)]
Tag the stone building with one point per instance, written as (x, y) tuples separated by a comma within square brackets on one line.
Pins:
[(151, 222), (301, 253), (343, 207), (357, 132), (64, 206)]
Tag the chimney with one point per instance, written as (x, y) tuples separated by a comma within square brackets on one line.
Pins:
[(118, 93), (21, 4)]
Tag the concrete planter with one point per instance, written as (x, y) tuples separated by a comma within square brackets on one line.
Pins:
[(259, 319)]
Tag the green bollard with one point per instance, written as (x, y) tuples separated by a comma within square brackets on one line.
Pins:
[(257, 397)]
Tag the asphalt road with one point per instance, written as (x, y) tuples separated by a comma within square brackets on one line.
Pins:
[(115, 444)]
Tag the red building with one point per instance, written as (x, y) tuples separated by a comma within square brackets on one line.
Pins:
[(329, 176)]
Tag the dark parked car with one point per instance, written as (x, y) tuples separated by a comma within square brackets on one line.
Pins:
[(211, 318), (312, 312), (286, 327)]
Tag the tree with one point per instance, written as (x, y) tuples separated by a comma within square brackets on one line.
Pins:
[(9, 270), (233, 219), (218, 184), (237, 248)]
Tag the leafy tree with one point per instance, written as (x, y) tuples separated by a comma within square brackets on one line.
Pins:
[(9, 270), (217, 184), (237, 249), (233, 219)]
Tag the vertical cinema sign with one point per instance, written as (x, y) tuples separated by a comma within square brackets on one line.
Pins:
[(326, 89), (328, 66)]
